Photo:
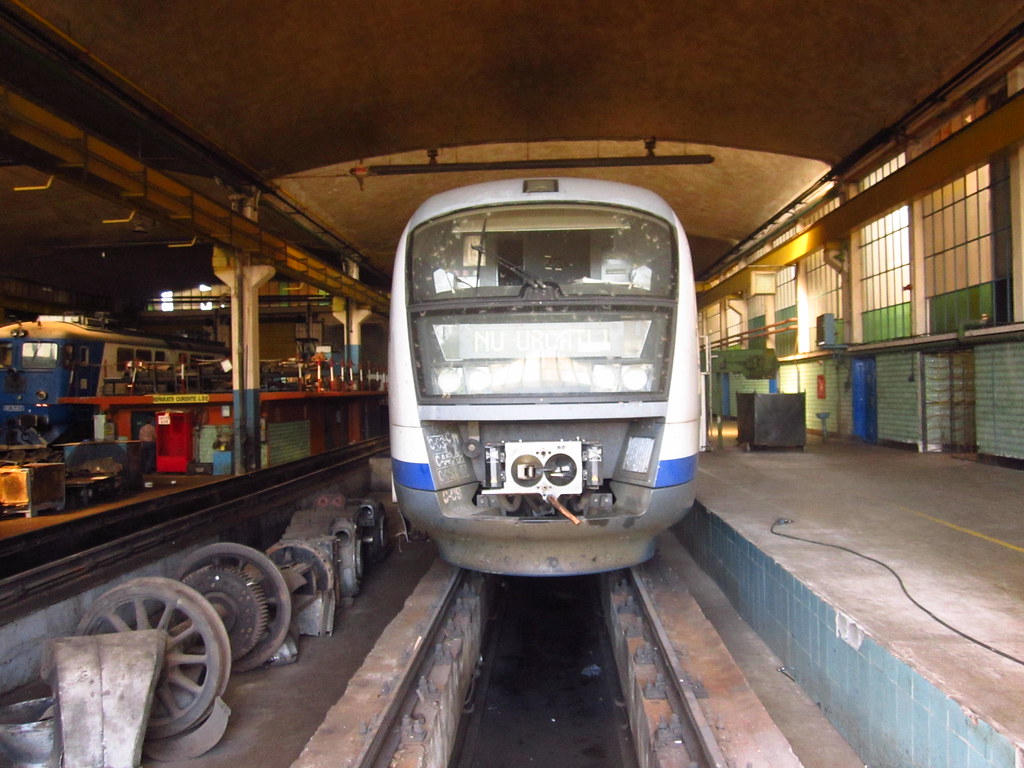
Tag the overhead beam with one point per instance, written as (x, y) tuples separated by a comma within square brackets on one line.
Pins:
[(532, 165), (56, 146), (966, 148)]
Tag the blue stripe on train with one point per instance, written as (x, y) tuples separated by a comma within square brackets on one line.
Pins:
[(670, 472), (412, 475), (676, 471)]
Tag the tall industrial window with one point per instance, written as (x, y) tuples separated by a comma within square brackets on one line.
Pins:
[(785, 309), (824, 294), (733, 325), (958, 252), (885, 276), (885, 169), (710, 325), (757, 311)]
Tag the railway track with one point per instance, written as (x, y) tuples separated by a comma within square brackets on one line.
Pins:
[(48, 565), (404, 707)]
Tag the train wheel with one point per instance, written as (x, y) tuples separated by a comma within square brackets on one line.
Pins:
[(262, 571), (239, 601), (197, 663), (378, 539)]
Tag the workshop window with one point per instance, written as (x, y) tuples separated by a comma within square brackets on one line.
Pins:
[(757, 319), (885, 169), (711, 325), (785, 310), (958, 252), (824, 290), (885, 276)]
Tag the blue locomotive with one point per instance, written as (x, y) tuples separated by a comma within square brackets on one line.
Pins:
[(57, 357)]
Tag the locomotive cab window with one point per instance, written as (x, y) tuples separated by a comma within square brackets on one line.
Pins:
[(558, 300), (6, 355), (39, 355), (580, 249)]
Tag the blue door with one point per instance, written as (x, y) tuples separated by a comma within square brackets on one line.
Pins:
[(865, 399)]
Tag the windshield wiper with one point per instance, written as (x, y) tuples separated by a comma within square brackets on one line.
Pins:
[(529, 279)]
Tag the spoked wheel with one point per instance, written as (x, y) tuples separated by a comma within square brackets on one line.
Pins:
[(197, 663), (260, 570)]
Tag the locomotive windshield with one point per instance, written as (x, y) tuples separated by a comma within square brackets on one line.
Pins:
[(583, 250), (555, 300), (39, 355)]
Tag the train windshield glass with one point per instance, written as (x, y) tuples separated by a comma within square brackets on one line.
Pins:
[(578, 250), (39, 354)]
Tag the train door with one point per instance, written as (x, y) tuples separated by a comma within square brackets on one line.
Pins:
[(865, 399)]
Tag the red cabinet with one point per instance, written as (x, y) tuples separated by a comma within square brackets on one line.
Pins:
[(173, 441)]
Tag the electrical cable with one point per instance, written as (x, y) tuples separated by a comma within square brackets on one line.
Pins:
[(899, 580)]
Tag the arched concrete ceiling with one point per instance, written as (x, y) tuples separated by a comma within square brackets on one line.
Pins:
[(300, 92)]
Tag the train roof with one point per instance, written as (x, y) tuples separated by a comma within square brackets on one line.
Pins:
[(50, 327), (567, 189)]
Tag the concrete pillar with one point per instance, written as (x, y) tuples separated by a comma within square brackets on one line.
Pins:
[(237, 271), (352, 318), (918, 287), (853, 293), (806, 324), (1017, 235)]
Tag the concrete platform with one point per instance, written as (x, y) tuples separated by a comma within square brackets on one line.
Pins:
[(906, 685)]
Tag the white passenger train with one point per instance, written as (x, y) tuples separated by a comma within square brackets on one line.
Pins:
[(543, 375)]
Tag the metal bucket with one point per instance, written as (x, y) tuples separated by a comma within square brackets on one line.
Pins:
[(26, 734)]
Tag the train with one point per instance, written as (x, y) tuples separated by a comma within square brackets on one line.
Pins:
[(543, 375), (72, 356)]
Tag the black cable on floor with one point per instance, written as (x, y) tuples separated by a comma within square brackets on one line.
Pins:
[(950, 627)]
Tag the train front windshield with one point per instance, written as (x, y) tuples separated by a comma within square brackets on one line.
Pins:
[(552, 300)]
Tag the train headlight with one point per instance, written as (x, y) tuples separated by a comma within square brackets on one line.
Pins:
[(449, 380), (606, 378), (635, 378), (42, 394), (478, 380)]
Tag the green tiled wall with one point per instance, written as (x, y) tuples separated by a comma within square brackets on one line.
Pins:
[(889, 714)]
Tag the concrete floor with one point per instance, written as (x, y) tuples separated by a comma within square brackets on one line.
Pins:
[(950, 527)]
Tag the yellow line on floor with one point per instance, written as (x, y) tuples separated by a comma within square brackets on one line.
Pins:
[(968, 531)]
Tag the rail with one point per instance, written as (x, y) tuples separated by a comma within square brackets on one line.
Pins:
[(699, 736)]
